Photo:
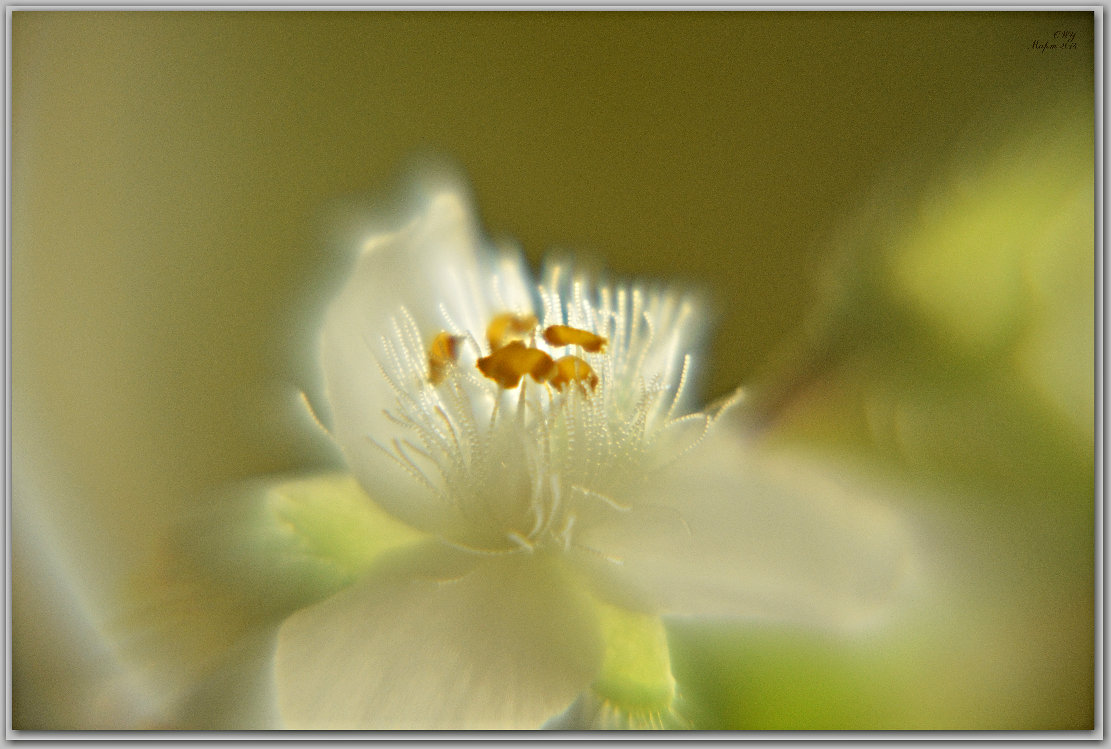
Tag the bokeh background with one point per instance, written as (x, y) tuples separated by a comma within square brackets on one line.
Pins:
[(890, 212)]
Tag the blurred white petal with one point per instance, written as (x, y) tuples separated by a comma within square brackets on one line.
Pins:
[(737, 532), (505, 646), (437, 261)]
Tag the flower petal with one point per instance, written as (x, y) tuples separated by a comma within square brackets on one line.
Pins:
[(731, 532), (436, 263), (506, 646)]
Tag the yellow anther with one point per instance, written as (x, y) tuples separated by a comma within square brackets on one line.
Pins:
[(508, 364), (509, 326), (565, 335), (443, 352), (570, 369)]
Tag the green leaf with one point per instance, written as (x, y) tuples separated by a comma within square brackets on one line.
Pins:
[(282, 543), (635, 677), (329, 518)]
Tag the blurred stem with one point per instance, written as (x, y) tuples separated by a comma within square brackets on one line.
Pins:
[(839, 327)]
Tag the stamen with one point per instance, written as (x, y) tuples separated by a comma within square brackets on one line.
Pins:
[(421, 452), (570, 369), (425, 431), (399, 447), (598, 495), (536, 506), (564, 535), (448, 319), (707, 422), (507, 327), (416, 473), (497, 291), (443, 352), (553, 307), (410, 337), (557, 500), (520, 540), (579, 305), (521, 405), (679, 388), (312, 412), (395, 364), (612, 560), (650, 335), (564, 335), (451, 430), (623, 332), (494, 414), (507, 365)]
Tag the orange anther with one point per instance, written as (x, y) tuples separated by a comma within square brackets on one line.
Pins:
[(443, 351), (565, 335), (573, 369), (508, 364), (508, 326)]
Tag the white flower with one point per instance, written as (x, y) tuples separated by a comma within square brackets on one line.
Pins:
[(588, 480)]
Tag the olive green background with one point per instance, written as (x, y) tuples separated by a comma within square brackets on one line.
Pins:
[(186, 188)]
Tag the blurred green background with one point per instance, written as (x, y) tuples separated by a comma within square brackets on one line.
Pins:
[(890, 212)]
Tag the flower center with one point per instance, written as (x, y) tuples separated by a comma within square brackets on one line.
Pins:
[(538, 429), (532, 442)]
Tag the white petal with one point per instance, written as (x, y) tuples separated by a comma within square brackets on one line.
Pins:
[(437, 262), (508, 645), (730, 532)]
